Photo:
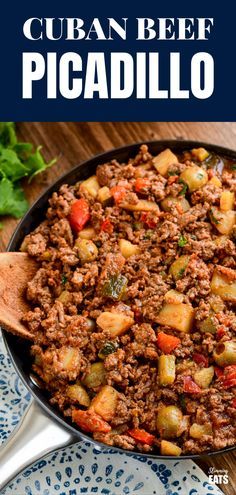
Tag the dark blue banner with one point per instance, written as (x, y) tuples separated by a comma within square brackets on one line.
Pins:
[(111, 61)]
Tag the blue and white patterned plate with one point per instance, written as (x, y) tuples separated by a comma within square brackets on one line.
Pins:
[(82, 469)]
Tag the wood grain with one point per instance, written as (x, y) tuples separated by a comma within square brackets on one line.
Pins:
[(73, 142)]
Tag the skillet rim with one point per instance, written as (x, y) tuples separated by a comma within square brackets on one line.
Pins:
[(39, 205)]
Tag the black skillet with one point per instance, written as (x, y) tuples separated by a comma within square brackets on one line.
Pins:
[(43, 429)]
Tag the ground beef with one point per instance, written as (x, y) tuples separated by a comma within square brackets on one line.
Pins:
[(102, 337)]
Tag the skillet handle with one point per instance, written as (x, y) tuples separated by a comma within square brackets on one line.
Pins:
[(35, 436)]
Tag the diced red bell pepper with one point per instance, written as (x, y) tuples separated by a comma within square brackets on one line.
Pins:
[(234, 403), (141, 185), (90, 421), (142, 436), (172, 179), (148, 220), (118, 193), (218, 371), (200, 359), (107, 226), (167, 343), (190, 387), (79, 214), (210, 173), (220, 332), (229, 382), (229, 376)]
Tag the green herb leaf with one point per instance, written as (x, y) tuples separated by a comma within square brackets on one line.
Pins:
[(172, 172), (17, 160), (185, 187), (182, 241), (7, 134), (36, 163), (11, 166), (63, 279), (12, 199)]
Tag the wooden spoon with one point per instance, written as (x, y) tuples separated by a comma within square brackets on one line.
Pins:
[(16, 270)]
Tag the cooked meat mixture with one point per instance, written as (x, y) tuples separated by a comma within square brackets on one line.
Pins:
[(132, 304)]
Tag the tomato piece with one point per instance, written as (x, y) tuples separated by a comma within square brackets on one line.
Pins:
[(141, 185), (148, 220), (79, 214), (118, 193), (190, 387), (142, 436), (167, 343), (90, 421), (234, 403), (200, 359), (107, 226)]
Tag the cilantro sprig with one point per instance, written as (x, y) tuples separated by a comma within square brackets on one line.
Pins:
[(17, 160)]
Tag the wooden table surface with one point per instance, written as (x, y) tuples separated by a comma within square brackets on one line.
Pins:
[(73, 142)]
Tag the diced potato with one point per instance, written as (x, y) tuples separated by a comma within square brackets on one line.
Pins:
[(179, 266), (225, 353), (169, 419), (105, 402), (128, 249), (220, 240), (96, 376), (87, 233), (91, 186), (197, 431), (163, 161), (87, 250), (208, 325), (195, 177), (221, 286), (215, 181), (64, 297), (177, 316), (204, 377), (181, 202), (169, 448), (141, 205), (223, 221), (216, 303), (200, 154), (104, 195), (173, 297), (227, 201), (166, 369), (77, 393), (69, 358), (115, 323)]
